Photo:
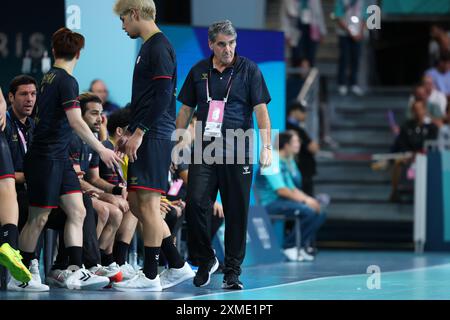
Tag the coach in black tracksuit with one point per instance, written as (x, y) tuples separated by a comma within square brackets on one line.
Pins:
[(226, 89)]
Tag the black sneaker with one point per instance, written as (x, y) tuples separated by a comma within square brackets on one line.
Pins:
[(231, 282), (204, 272)]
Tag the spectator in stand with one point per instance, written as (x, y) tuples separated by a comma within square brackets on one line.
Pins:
[(305, 158), (434, 112), (441, 74), (279, 194), (434, 95), (440, 42), (412, 137), (351, 16), (304, 26), (98, 87)]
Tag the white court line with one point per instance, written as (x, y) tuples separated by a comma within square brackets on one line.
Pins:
[(308, 280)]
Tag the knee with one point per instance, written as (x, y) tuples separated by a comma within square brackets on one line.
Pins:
[(115, 216), (103, 214), (39, 221), (78, 215)]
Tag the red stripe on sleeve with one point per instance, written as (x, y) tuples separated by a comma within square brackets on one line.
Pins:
[(162, 77)]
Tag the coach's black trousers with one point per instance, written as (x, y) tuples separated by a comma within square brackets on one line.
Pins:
[(234, 183)]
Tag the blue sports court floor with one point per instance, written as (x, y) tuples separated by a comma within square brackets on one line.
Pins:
[(335, 275)]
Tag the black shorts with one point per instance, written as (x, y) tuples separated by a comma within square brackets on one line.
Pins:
[(6, 164), (48, 179), (151, 169)]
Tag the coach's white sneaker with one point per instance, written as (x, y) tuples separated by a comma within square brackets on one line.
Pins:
[(34, 285), (139, 283), (83, 279), (171, 277)]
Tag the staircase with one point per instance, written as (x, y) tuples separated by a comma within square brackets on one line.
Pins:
[(360, 213)]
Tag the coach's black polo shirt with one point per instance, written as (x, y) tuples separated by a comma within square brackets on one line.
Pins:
[(14, 141), (248, 89)]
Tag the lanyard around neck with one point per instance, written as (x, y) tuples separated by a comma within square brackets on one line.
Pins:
[(229, 84)]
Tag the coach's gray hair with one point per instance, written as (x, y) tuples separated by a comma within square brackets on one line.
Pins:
[(224, 27)]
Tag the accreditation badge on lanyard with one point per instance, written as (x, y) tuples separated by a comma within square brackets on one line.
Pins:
[(216, 111)]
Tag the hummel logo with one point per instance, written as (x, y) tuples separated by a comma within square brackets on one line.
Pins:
[(246, 170), (157, 256), (23, 285), (85, 276)]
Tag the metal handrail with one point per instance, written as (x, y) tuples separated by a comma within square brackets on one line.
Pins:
[(306, 88), (309, 97)]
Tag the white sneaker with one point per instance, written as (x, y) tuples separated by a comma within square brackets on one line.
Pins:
[(356, 90), (292, 254), (305, 256), (34, 285), (171, 277), (57, 278), (128, 272), (343, 90), (112, 272), (139, 283), (83, 279)]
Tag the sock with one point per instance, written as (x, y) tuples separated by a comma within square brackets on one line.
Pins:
[(10, 234), (120, 252), (151, 262), (27, 257), (107, 258), (75, 256), (62, 260), (171, 252)]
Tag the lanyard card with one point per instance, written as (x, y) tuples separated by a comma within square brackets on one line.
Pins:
[(215, 119)]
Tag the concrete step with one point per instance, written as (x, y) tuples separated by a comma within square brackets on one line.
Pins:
[(363, 137), (371, 212), (360, 124), (351, 174), (370, 104), (367, 120), (362, 192)]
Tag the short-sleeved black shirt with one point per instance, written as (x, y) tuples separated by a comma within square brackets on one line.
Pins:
[(156, 60), (248, 89), (82, 154), (14, 140), (52, 135), (412, 136)]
